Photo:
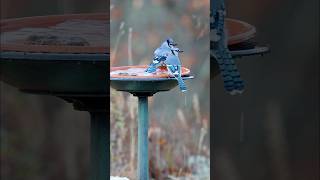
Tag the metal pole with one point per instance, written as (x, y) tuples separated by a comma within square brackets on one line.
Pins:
[(143, 124), (100, 147)]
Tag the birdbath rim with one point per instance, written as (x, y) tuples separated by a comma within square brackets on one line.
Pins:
[(145, 85), (14, 24), (162, 75), (239, 31)]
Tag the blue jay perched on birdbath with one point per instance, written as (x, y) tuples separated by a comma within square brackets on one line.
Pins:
[(228, 69), (167, 54), (160, 54)]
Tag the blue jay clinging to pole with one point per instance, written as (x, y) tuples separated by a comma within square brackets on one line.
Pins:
[(160, 54), (230, 74)]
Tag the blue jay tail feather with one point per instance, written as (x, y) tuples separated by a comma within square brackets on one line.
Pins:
[(233, 83), (226, 77), (239, 85), (175, 70), (235, 92), (182, 85), (238, 82)]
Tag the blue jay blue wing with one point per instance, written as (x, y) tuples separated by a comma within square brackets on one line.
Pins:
[(174, 69), (172, 60), (160, 55), (157, 61), (152, 68)]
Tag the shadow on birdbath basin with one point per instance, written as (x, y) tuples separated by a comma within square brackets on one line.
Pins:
[(135, 80), (35, 59)]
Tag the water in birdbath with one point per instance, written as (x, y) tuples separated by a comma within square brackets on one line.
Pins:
[(138, 72)]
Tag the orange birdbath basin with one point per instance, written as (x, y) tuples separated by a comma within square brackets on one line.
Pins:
[(70, 33), (135, 80), (138, 72), (239, 31)]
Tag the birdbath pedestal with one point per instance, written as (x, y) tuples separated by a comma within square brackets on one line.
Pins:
[(143, 87)]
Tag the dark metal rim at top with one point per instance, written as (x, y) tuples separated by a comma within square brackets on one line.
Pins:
[(150, 79), (16, 55)]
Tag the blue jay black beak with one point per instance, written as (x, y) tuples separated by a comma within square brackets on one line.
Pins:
[(180, 50), (174, 44)]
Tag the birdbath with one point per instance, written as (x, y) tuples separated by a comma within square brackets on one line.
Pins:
[(240, 42), (132, 79), (35, 60)]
